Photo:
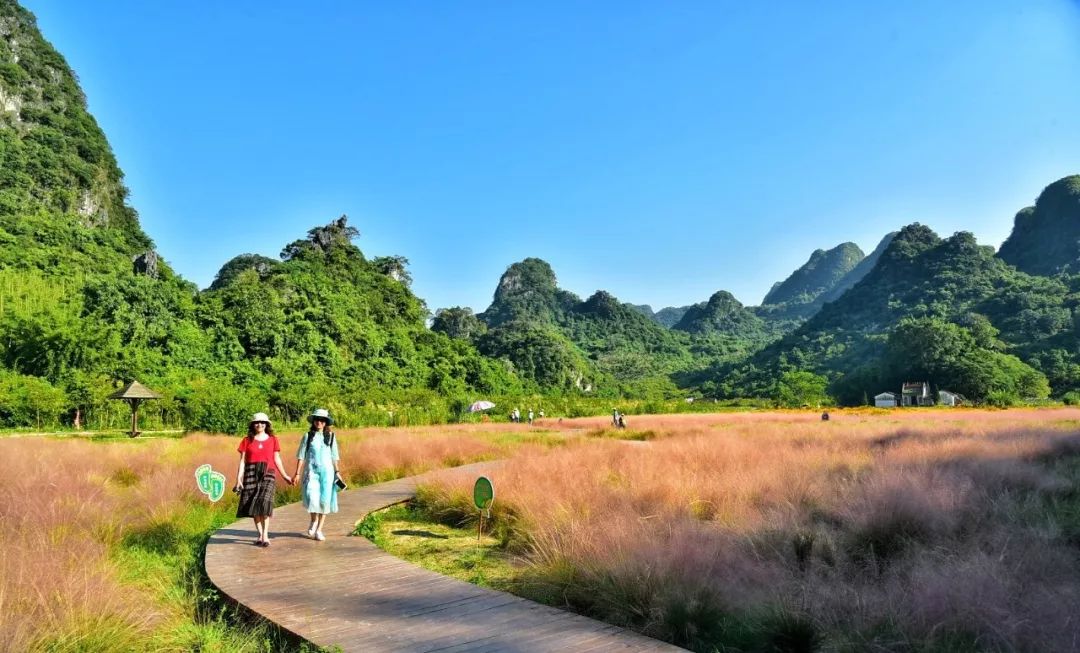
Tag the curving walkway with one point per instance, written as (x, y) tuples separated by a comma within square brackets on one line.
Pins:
[(346, 592)]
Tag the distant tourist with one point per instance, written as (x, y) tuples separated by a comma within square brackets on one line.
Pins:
[(825, 417), (260, 455), (621, 422), (318, 458), (615, 417), (530, 417), (541, 413)]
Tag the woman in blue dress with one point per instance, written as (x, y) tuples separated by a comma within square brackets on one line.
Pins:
[(318, 458)]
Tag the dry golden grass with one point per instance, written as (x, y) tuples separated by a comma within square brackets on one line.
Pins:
[(900, 530)]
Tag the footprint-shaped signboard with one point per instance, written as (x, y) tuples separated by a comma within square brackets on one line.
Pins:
[(211, 483), (483, 496)]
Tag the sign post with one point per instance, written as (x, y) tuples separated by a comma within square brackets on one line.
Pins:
[(483, 497)]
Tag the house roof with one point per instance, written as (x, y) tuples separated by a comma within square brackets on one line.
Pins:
[(885, 394), (135, 390)]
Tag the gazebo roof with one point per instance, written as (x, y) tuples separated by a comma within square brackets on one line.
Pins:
[(135, 390)]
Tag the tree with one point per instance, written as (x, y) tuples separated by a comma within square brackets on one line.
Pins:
[(801, 388), (322, 239), (950, 357), (458, 322), (395, 267)]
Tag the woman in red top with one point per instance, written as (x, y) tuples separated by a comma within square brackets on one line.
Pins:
[(260, 453)]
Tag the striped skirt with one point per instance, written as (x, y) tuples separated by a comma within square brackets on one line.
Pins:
[(257, 497)]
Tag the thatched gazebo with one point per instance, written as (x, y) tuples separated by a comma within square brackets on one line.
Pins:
[(134, 393)]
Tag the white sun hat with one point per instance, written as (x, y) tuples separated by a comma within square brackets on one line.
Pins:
[(260, 417), (321, 413)]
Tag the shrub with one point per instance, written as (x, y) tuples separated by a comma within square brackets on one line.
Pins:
[(219, 407)]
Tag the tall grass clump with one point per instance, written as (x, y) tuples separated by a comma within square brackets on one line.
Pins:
[(917, 531)]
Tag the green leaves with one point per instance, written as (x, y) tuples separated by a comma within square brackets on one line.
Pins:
[(799, 388)]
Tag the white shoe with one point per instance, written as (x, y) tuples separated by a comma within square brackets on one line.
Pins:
[(311, 532), (319, 536)]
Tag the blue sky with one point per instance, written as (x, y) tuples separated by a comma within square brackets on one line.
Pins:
[(658, 150)]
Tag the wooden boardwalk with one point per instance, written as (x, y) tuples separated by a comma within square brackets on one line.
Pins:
[(346, 592)]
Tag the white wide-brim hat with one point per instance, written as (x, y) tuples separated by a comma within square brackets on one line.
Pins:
[(260, 417), (321, 413)]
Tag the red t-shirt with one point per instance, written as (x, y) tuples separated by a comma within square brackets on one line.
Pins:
[(260, 452)]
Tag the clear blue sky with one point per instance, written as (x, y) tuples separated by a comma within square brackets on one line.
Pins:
[(658, 150)]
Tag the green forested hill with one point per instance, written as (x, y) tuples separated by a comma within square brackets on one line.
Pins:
[(667, 317), (560, 343), (326, 321), (74, 314), (57, 172), (797, 296), (1045, 238), (944, 310), (856, 274), (85, 303), (723, 314), (670, 315)]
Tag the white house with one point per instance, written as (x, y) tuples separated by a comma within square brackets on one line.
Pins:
[(885, 400), (946, 398)]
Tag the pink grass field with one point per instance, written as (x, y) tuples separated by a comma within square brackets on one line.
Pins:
[(899, 530), (67, 504)]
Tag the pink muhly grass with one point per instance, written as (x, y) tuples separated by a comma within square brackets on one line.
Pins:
[(885, 531), (67, 504)]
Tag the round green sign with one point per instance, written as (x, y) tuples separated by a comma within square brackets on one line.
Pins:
[(483, 493)]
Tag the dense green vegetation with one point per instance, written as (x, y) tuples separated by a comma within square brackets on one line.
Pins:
[(78, 314), (601, 346), (1046, 237), (723, 314), (856, 274), (946, 311), (668, 317), (820, 274), (85, 305)]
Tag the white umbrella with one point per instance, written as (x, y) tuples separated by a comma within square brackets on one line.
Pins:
[(480, 405)]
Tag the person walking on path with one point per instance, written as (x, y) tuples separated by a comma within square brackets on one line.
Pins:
[(318, 459), (530, 416), (260, 455)]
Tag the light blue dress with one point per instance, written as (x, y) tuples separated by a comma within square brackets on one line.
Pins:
[(317, 487)]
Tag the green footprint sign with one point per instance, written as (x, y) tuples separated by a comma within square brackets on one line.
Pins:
[(211, 483)]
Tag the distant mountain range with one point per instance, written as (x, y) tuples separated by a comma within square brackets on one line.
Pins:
[(834, 314)]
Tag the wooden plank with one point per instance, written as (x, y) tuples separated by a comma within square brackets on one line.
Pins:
[(451, 625)]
